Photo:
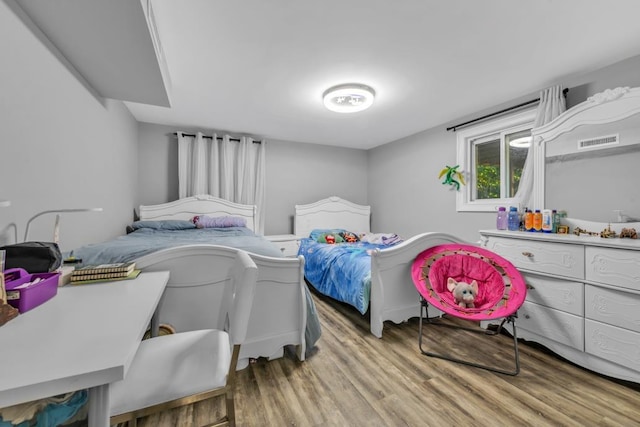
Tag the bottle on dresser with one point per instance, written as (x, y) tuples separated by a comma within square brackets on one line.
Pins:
[(501, 220), (513, 219), (547, 221), (537, 220), (528, 220)]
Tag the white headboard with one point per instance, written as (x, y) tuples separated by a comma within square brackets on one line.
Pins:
[(203, 204), (332, 212)]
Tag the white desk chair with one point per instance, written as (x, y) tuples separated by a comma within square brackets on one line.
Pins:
[(183, 368)]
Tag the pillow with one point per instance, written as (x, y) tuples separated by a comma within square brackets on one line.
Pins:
[(317, 232), (168, 224), (204, 221)]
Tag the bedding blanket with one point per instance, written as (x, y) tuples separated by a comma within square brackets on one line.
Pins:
[(341, 271), (146, 240)]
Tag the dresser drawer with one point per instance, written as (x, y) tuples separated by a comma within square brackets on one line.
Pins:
[(613, 307), (289, 248), (617, 267), (545, 257), (556, 325), (615, 344), (287, 243), (560, 294)]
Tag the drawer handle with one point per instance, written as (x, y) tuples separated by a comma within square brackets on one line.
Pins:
[(530, 286), (527, 254), (526, 316)]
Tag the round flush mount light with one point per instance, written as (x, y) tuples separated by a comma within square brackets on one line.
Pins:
[(522, 142), (348, 98)]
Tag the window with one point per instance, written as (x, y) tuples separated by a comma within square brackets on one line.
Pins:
[(492, 156)]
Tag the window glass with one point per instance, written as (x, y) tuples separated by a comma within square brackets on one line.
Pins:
[(492, 156), (487, 169)]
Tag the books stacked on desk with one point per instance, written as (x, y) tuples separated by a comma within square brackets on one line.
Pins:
[(104, 272)]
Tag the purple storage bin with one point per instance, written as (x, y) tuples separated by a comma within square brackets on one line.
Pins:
[(24, 298)]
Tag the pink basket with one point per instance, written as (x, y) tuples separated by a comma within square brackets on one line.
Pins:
[(26, 291)]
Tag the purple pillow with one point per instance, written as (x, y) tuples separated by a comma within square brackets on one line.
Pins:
[(204, 221)]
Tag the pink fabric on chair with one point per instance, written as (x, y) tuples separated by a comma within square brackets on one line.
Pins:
[(501, 289)]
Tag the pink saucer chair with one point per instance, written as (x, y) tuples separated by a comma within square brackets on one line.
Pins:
[(501, 292)]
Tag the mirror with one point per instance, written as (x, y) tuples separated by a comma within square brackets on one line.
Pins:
[(587, 161)]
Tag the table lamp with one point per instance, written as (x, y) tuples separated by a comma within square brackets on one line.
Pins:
[(57, 224)]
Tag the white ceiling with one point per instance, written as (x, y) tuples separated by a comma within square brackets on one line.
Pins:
[(260, 67)]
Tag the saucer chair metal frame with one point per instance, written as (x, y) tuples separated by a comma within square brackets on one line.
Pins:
[(501, 292)]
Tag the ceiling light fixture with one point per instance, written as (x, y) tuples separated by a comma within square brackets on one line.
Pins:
[(522, 142), (348, 98)]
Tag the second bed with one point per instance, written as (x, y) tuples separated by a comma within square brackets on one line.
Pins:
[(371, 274)]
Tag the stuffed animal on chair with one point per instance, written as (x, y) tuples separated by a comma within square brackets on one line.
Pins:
[(463, 293)]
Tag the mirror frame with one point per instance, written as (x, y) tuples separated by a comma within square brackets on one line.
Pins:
[(609, 106)]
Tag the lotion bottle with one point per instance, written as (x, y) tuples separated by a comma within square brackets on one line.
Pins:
[(547, 220), (537, 220)]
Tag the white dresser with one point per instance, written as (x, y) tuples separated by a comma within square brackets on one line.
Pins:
[(288, 243), (583, 297)]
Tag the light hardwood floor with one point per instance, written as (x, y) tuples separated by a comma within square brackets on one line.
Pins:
[(355, 379)]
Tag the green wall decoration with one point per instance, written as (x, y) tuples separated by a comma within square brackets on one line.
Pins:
[(452, 176)]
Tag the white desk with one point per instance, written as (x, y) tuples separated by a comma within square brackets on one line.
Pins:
[(85, 337)]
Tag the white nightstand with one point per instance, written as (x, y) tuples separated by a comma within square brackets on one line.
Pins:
[(288, 243)]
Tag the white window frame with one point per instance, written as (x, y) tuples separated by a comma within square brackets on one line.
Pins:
[(464, 151)]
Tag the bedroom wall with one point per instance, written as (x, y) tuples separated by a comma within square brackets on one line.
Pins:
[(408, 198), (61, 146), (296, 173)]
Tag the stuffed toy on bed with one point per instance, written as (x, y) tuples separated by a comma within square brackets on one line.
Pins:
[(349, 237), (463, 293), (330, 238)]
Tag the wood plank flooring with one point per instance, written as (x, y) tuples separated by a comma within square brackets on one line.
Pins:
[(354, 379)]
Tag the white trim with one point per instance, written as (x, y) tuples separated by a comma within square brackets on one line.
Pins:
[(464, 202)]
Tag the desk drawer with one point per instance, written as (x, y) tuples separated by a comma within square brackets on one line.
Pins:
[(560, 294), (617, 267), (545, 257), (615, 308), (556, 325)]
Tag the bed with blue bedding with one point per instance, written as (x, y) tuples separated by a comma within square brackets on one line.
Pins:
[(373, 275), (341, 271), (179, 237)]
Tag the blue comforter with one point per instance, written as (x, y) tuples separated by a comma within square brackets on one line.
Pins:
[(341, 271)]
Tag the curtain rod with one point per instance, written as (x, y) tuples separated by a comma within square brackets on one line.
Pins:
[(211, 137), (515, 107)]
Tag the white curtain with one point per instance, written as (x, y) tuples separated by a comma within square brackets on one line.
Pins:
[(223, 167), (552, 104)]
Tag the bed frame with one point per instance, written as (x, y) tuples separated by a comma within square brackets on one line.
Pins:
[(279, 314), (393, 294), (204, 204)]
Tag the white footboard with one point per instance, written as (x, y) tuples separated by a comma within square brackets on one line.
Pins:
[(279, 312), (393, 294)]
